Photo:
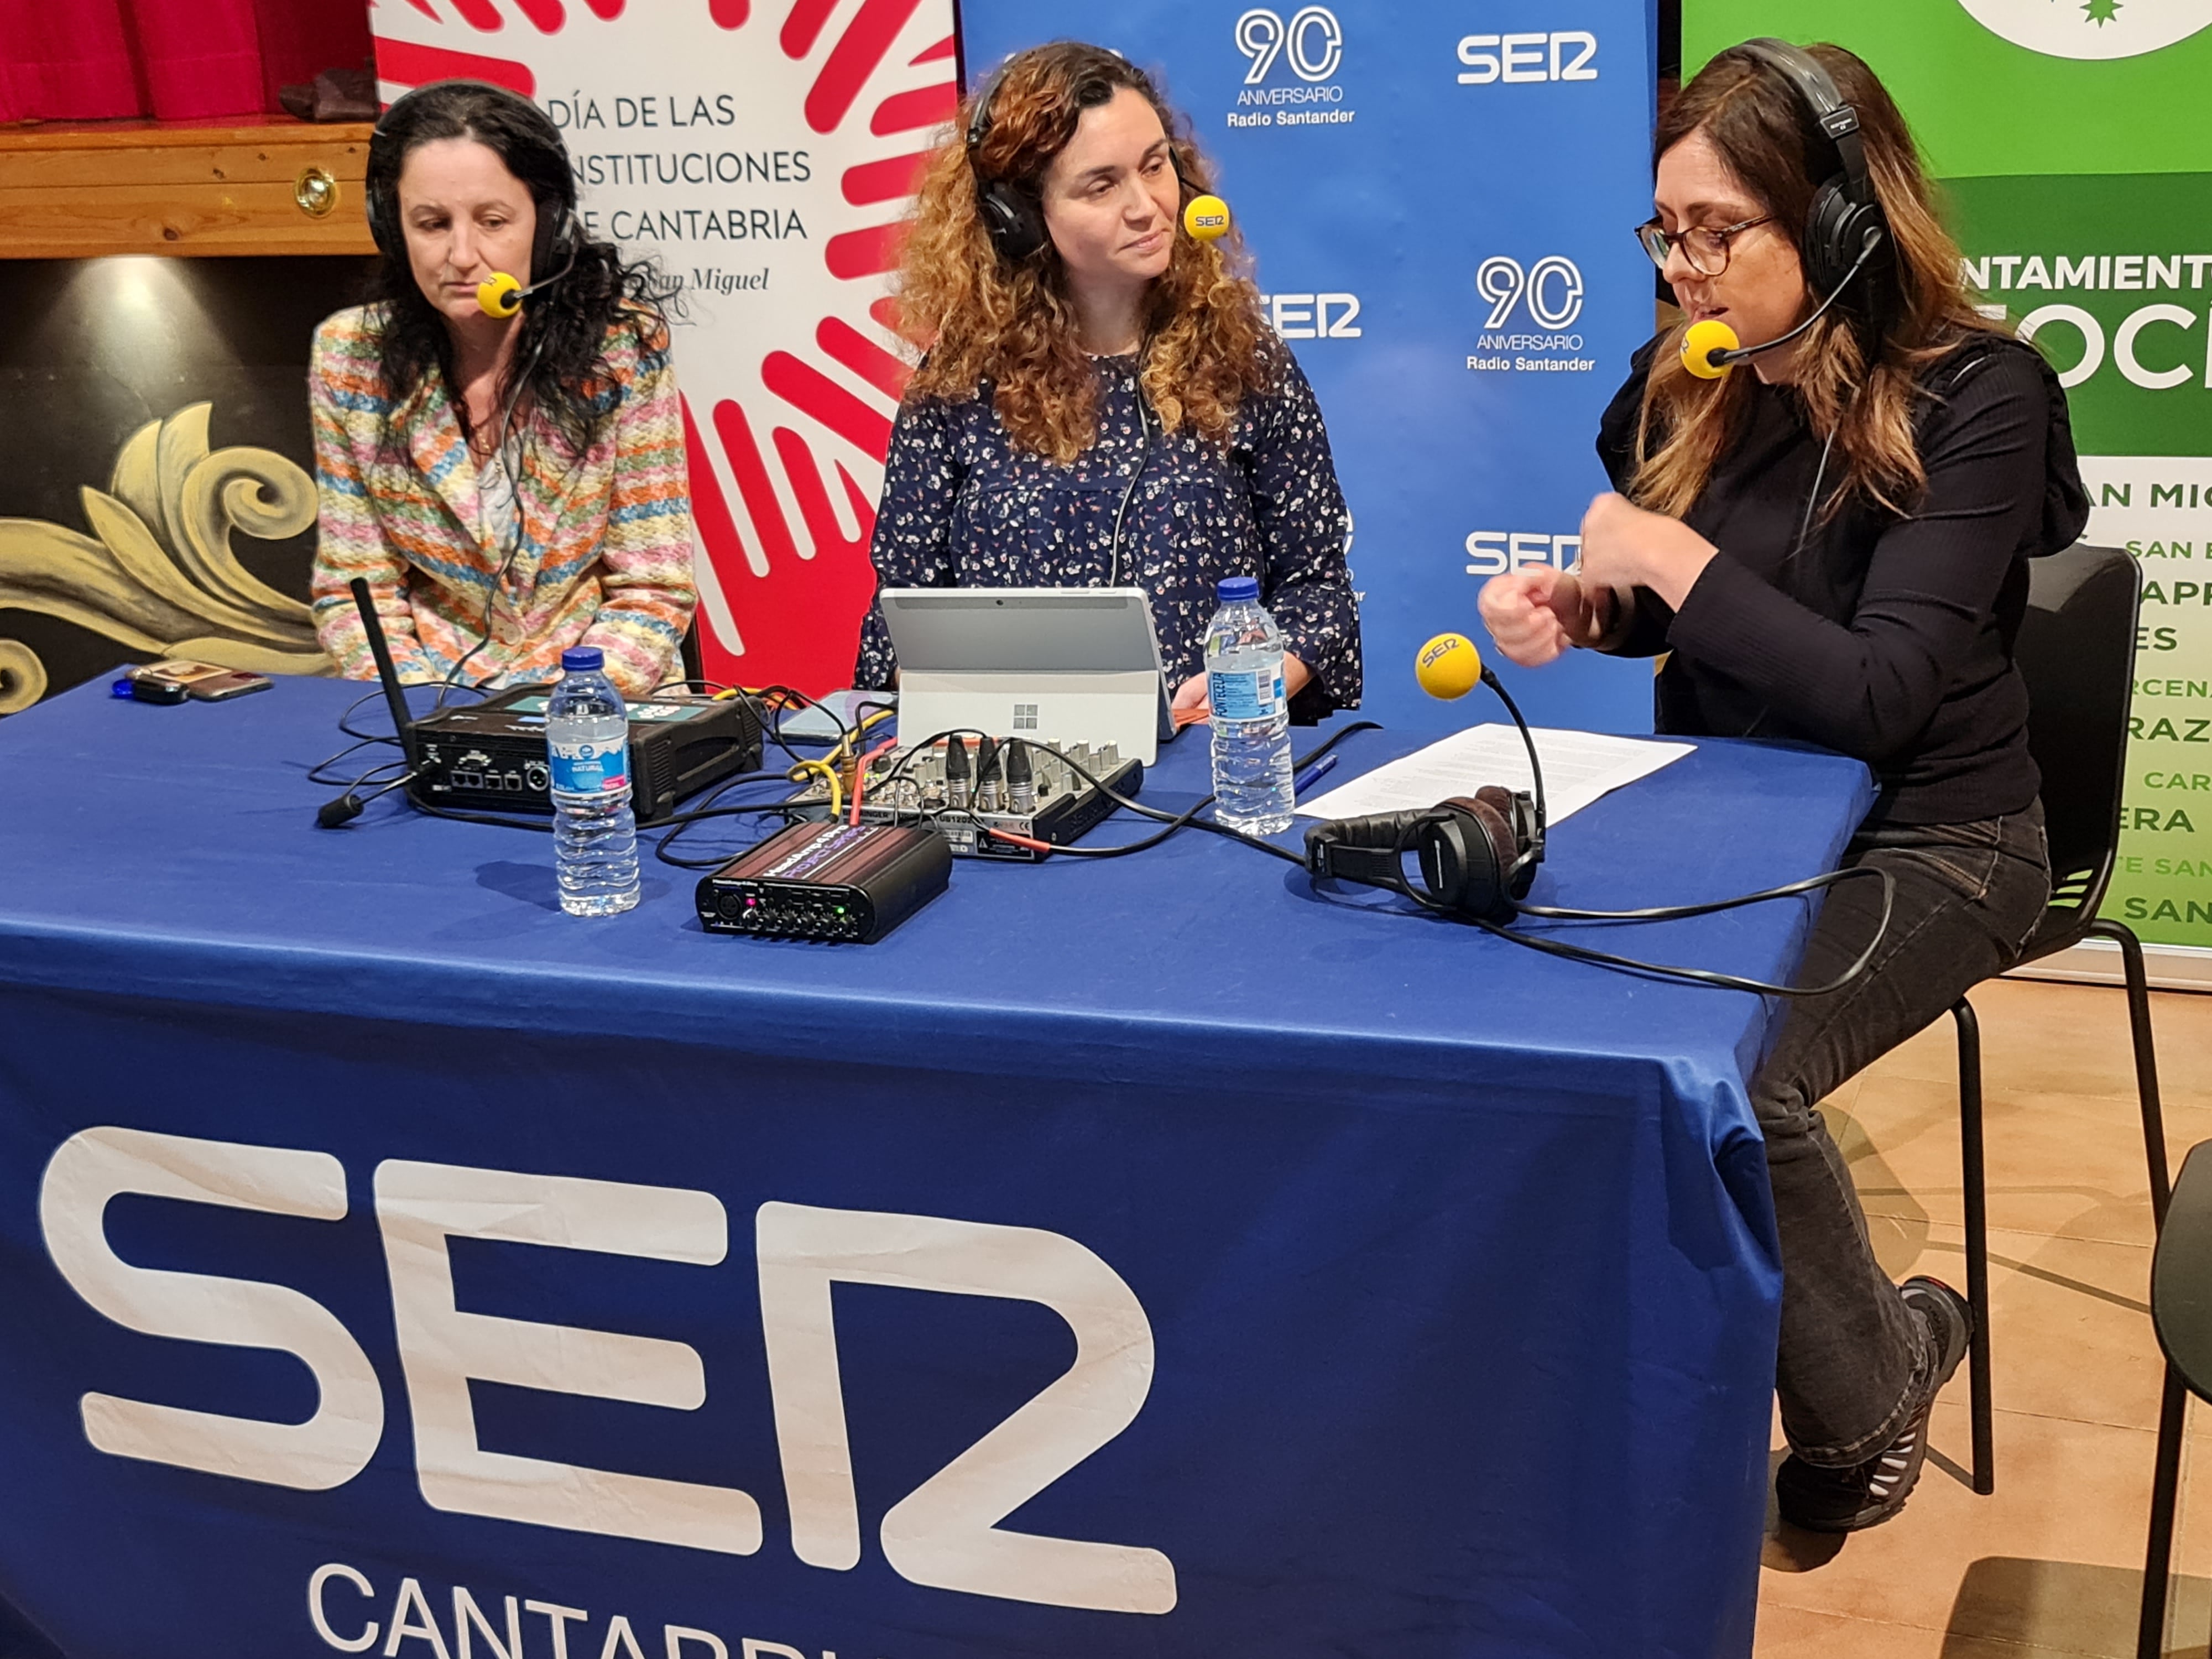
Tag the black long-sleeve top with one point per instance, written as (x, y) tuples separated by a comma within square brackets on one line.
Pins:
[(1888, 636), (963, 507)]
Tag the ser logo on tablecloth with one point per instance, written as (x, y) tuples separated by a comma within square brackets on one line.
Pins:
[(945, 1533)]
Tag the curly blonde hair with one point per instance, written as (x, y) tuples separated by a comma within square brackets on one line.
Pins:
[(980, 317)]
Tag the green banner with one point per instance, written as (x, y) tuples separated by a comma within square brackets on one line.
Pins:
[(2076, 165)]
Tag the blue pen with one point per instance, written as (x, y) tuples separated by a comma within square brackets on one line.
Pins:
[(1312, 774)]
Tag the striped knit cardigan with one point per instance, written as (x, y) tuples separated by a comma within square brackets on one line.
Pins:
[(604, 555)]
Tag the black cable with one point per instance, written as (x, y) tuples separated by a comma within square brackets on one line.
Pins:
[(1186, 819), (513, 474), (677, 823), (1682, 912), (315, 773), (712, 860), (1136, 473), (1709, 977), (366, 737)]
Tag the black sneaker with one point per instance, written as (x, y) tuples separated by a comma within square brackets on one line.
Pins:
[(1866, 1494)]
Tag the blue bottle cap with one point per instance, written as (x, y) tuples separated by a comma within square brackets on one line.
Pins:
[(583, 659), (1237, 590)]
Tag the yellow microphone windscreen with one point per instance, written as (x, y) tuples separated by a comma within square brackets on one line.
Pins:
[(499, 296), (1448, 667), (1206, 217), (1700, 341)]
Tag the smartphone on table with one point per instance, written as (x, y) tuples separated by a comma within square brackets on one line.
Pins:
[(180, 677)]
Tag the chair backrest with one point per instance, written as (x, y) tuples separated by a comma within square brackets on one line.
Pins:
[(2181, 1274), (2076, 650)]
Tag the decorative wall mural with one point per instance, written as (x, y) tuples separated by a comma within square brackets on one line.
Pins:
[(157, 574)]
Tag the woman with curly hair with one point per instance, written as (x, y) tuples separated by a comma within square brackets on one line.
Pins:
[(509, 485), (1101, 401)]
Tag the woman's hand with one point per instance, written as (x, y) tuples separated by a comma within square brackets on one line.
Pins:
[(1625, 547), (1189, 706), (1535, 614)]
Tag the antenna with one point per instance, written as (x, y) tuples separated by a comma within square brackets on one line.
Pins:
[(402, 722)]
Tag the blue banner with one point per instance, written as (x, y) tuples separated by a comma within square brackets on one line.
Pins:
[(1440, 200)]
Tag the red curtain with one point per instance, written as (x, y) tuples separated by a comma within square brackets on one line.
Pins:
[(175, 60)]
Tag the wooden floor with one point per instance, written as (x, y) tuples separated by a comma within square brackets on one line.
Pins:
[(2050, 1564)]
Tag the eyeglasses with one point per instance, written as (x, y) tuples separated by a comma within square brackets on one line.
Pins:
[(1707, 250)]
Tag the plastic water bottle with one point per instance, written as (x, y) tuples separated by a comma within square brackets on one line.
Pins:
[(1251, 716), (587, 750)]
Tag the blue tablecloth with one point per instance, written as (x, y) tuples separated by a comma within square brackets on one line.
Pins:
[(1221, 1267)]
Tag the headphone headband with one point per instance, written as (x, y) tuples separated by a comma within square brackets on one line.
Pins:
[(1834, 117), (559, 234), (1846, 223)]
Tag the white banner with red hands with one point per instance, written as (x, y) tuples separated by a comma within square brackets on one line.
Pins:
[(765, 152)]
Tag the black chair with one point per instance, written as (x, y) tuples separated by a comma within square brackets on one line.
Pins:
[(2181, 1308), (2076, 651)]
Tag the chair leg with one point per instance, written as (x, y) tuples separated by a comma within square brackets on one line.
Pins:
[(2131, 958), (2166, 1482), (1981, 1411)]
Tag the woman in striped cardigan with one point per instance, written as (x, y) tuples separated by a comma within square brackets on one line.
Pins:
[(509, 486)]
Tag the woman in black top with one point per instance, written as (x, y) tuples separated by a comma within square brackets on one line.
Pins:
[(1101, 403), (1831, 549)]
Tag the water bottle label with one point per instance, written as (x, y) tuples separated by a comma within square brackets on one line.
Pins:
[(588, 767), (1256, 694)]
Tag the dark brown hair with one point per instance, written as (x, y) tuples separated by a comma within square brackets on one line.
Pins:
[(1859, 366), (980, 318)]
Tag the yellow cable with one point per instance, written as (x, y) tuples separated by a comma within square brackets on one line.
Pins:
[(845, 743), (836, 788)]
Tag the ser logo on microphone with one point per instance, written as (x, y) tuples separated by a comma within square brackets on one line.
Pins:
[(1549, 293)]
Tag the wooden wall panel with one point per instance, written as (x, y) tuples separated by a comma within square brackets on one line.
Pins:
[(81, 189)]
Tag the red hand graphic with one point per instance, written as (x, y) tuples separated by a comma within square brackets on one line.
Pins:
[(825, 405), (801, 622)]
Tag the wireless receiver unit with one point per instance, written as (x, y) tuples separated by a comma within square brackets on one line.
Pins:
[(490, 755), (846, 882)]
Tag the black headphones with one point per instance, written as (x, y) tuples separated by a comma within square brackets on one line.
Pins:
[(1011, 214), (1846, 220), (553, 246), (1477, 854)]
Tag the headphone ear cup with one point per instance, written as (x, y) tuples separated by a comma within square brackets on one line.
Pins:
[(1464, 853), (1014, 222), (1835, 229)]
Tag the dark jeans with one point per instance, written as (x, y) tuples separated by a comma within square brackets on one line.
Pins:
[(1855, 1364)]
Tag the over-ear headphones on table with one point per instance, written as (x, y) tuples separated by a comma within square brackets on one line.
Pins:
[(1844, 211), (555, 244), (1477, 854)]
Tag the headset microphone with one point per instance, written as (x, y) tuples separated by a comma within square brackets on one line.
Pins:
[(502, 295), (1709, 348)]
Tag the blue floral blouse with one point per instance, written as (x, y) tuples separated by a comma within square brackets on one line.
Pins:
[(962, 507)]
